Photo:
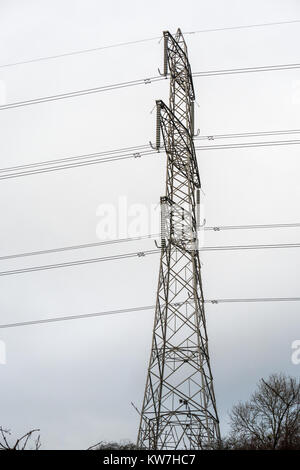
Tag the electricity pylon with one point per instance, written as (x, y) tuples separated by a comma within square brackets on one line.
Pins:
[(179, 408)]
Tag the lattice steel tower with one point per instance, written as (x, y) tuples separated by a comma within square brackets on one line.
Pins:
[(179, 408)]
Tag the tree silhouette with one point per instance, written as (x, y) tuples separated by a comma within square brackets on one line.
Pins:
[(270, 418), (21, 443)]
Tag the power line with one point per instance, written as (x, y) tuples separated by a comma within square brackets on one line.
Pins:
[(142, 308), (254, 299), (264, 68), (86, 161), (230, 28), (77, 263), (216, 228), (247, 134), (81, 51), (248, 145), (72, 94), (78, 157), (75, 317), (249, 247), (77, 247), (143, 81), (142, 254), (133, 152), (139, 41)]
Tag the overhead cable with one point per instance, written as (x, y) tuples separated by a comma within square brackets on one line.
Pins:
[(139, 41), (73, 94), (248, 145), (215, 228), (142, 254), (135, 152), (141, 308), (144, 81)]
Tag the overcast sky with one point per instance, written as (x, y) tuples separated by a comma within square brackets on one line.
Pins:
[(75, 380)]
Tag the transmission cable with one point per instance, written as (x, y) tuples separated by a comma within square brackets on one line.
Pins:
[(144, 81), (274, 143), (215, 228), (142, 254), (249, 247), (81, 51), (247, 134), (72, 94), (133, 152), (139, 41), (142, 308), (77, 263), (86, 161), (92, 160), (230, 28), (263, 68), (78, 247)]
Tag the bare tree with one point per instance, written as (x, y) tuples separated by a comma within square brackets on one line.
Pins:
[(123, 445), (270, 419), (21, 443)]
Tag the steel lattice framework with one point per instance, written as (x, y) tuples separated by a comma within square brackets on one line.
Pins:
[(179, 408)]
